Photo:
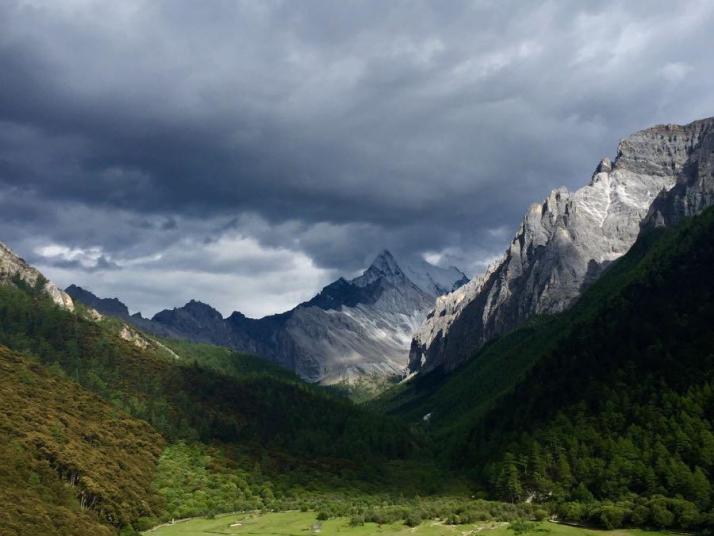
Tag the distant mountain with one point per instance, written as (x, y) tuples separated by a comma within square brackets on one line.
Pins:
[(106, 306), (566, 242), (351, 329)]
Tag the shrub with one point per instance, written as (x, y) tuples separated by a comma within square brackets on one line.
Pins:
[(413, 518), (540, 514), (571, 511), (357, 520), (612, 517), (521, 527), (660, 516)]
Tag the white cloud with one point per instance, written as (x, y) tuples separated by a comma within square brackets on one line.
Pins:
[(87, 258), (231, 273)]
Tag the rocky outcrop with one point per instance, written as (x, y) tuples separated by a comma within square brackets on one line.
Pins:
[(350, 330), (564, 243), (694, 190), (13, 267)]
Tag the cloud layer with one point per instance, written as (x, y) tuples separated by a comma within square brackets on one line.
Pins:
[(246, 153)]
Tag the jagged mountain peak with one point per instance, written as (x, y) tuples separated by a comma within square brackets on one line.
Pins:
[(564, 243), (426, 277), (384, 267), (386, 263)]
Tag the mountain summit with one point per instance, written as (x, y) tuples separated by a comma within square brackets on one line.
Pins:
[(564, 243), (350, 329)]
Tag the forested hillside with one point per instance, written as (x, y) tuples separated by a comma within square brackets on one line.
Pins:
[(607, 409), (71, 463), (223, 415), (623, 405), (184, 400)]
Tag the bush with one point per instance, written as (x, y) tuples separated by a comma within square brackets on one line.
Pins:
[(660, 516), (521, 527), (357, 521), (145, 523), (612, 517), (540, 514), (640, 515), (571, 511), (413, 518)]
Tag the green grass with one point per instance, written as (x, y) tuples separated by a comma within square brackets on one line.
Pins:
[(302, 523)]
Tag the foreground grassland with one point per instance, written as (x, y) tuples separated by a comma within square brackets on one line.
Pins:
[(304, 523)]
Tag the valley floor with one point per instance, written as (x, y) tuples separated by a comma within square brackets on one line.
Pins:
[(304, 523)]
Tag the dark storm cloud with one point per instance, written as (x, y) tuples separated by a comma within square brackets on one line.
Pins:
[(326, 129)]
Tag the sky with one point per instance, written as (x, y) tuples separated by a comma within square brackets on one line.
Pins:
[(246, 153)]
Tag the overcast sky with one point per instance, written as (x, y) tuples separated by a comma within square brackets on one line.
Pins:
[(247, 153)]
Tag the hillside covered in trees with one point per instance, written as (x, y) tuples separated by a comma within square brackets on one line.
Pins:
[(604, 411), (71, 462), (88, 414)]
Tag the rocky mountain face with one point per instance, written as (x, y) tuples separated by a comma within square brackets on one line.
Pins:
[(564, 243), (12, 267), (351, 329), (694, 190)]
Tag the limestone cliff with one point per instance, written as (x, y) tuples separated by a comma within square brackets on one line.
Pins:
[(564, 243)]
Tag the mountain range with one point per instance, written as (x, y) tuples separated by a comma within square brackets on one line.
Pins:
[(350, 330)]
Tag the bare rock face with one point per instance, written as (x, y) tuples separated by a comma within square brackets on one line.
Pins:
[(694, 190), (564, 243), (12, 266)]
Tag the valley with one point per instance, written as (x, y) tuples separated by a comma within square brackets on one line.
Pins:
[(567, 390)]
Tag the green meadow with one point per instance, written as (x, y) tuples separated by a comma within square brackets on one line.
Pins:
[(305, 523)]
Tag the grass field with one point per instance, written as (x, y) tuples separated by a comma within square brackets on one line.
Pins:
[(304, 523)]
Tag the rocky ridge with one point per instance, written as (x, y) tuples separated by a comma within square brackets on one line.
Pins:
[(564, 243), (13, 266)]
